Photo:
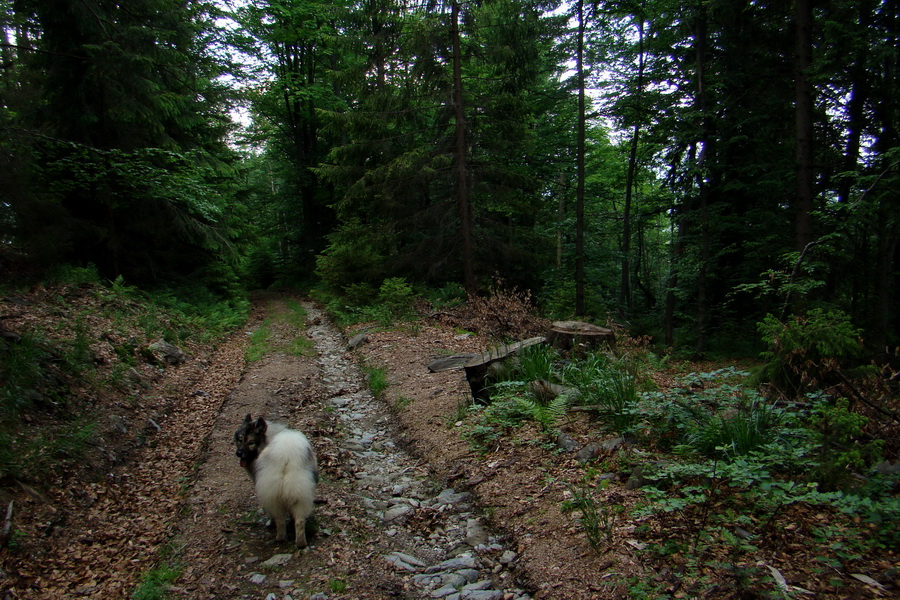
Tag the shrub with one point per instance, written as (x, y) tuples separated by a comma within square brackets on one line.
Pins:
[(396, 297), (806, 352), (608, 384), (748, 424), (450, 294), (836, 430)]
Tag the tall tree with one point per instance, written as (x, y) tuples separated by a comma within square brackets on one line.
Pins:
[(803, 109), (625, 280), (579, 158), (120, 136), (460, 154), (433, 132), (298, 43)]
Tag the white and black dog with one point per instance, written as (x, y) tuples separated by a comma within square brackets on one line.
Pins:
[(282, 464)]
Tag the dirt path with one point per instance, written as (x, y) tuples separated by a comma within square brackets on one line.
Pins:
[(382, 529), (407, 508)]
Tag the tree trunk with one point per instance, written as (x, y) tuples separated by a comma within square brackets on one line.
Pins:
[(579, 167), (464, 205), (803, 109), (625, 296), (701, 181)]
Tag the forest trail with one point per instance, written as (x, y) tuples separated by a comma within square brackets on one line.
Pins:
[(408, 508), (382, 528)]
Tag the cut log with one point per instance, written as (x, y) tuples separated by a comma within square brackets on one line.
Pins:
[(568, 335), (447, 363), (477, 367)]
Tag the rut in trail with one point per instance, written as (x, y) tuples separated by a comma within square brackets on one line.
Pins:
[(382, 529)]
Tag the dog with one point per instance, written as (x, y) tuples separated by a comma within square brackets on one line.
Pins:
[(282, 464)]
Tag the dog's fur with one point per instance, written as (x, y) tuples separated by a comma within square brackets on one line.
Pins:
[(282, 464)]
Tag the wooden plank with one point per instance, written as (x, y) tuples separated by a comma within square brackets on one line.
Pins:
[(501, 352)]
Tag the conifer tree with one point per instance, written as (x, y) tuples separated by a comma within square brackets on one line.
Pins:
[(118, 131)]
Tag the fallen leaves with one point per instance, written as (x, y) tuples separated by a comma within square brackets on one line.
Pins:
[(92, 534)]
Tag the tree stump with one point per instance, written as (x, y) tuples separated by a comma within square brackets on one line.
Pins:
[(571, 335)]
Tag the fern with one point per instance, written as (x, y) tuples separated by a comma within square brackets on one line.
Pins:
[(547, 415)]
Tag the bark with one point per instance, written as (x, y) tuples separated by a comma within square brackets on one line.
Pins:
[(625, 296), (803, 107), (464, 205), (579, 193)]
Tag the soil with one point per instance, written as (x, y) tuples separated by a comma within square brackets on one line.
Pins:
[(162, 486)]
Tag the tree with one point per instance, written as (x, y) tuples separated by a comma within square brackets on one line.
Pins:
[(436, 161), (299, 45), (460, 156), (579, 157), (118, 128), (803, 109)]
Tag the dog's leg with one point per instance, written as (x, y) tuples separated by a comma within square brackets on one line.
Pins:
[(280, 527), (300, 532)]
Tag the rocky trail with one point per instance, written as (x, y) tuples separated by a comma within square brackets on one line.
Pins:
[(157, 506), (383, 526)]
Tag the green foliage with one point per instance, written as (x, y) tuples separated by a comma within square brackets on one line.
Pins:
[(76, 351), (512, 403), (707, 414), (534, 363), (155, 583), (608, 384), (199, 311), (33, 458), (20, 370), (377, 380), (353, 257), (841, 452), (557, 296), (395, 296), (392, 302), (807, 350), (447, 296), (259, 342), (767, 457), (748, 423), (66, 274), (597, 520)]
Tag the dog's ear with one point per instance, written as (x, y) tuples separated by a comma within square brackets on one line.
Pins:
[(248, 419), (260, 425)]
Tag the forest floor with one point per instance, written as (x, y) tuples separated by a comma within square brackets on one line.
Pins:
[(406, 506)]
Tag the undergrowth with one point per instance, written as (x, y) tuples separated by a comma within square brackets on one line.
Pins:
[(88, 340), (729, 472), (390, 303)]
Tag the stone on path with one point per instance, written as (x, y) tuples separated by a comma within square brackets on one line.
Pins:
[(278, 560)]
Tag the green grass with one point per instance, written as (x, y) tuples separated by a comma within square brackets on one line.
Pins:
[(297, 315), (301, 347), (259, 342), (377, 379), (156, 581), (21, 370)]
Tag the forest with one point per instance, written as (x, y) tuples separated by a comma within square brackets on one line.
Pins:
[(715, 181), (683, 168)]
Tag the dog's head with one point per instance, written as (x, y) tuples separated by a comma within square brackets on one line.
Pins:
[(249, 439)]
